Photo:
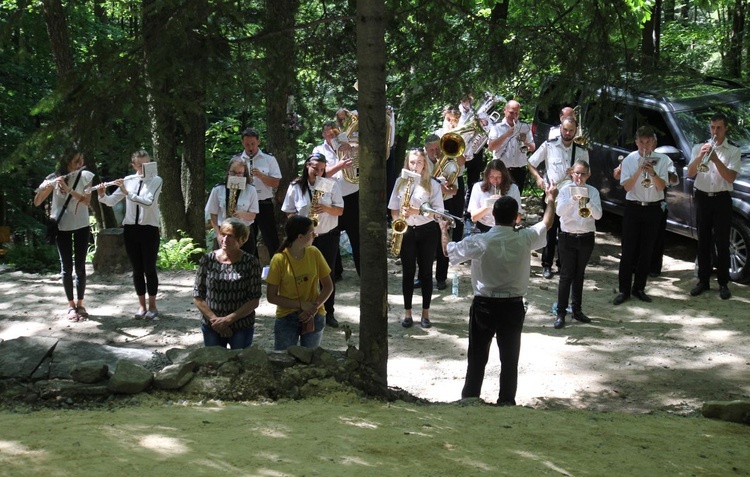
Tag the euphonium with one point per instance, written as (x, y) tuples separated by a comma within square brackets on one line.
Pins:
[(400, 225), (351, 174), (703, 166), (314, 205)]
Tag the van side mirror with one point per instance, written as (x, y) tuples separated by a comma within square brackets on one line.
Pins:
[(671, 151)]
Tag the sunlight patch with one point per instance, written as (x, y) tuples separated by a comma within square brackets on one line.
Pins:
[(164, 445), (16, 449), (349, 460), (546, 463), (357, 422)]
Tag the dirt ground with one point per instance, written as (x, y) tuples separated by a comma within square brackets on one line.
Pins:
[(663, 359)]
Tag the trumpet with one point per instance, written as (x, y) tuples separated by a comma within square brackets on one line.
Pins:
[(646, 182), (523, 129), (48, 182), (703, 166), (583, 209)]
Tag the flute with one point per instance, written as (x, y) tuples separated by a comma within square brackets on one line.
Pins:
[(102, 185), (48, 182)]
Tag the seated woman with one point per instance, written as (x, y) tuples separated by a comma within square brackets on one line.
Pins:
[(297, 272), (227, 290), (496, 182)]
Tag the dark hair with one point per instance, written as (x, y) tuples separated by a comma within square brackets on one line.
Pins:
[(645, 131), (431, 138), (295, 226), (250, 132), (505, 210), (720, 117), (329, 124), (67, 157), (238, 228), (303, 179), (496, 165)]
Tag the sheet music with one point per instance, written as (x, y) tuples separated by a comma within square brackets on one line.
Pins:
[(235, 182), (149, 170)]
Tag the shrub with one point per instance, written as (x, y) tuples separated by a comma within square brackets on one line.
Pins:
[(179, 254), (36, 258)]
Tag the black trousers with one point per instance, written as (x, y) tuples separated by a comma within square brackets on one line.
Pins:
[(66, 242), (714, 216), (548, 252), (518, 174), (575, 252), (501, 318), (418, 247), (142, 247), (349, 222), (639, 226), (455, 206), (657, 257), (474, 169), (328, 244), (265, 222)]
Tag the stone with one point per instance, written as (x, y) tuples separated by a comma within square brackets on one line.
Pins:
[(90, 372), (229, 368), (129, 378), (210, 386), (175, 376), (732, 411), (301, 353), (68, 354), (21, 357), (254, 357), (58, 388), (281, 359), (177, 355), (110, 255), (213, 356)]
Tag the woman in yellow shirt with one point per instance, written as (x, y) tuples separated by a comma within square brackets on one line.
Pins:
[(299, 283)]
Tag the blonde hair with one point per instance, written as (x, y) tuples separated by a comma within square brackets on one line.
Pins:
[(426, 180)]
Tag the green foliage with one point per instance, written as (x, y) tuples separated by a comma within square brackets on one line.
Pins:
[(36, 258), (179, 254)]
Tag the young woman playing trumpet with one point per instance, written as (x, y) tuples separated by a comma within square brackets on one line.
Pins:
[(496, 182)]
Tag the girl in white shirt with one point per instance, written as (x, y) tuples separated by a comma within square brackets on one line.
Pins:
[(422, 235), (73, 226), (496, 182)]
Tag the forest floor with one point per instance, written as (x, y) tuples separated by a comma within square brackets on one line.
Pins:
[(621, 394)]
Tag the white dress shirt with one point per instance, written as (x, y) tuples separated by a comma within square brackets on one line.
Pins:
[(419, 196), (630, 166), (712, 181), (567, 208), (267, 165), (510, 152), (477, 201), (247, 201), (143, 198), (347, 188), (500, 263), (557, 158), (298, 202)]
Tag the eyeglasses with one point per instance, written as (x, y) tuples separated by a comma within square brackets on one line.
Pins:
[(237, 174)]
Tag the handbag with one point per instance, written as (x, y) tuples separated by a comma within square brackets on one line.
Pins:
[(50, 235)]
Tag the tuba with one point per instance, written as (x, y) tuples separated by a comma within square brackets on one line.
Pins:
[(480, 134), (351, 174), (400, 225)]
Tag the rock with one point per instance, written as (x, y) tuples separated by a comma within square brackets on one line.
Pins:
[(229, 369), (732, 411), (177, 355), (90, 372), (175, 376), (21, 357), (57, 389), (68, 354), (129, 378), (301, 353), (209, 386), (281, 359), (212, 356), (353, 353), (254, 357)]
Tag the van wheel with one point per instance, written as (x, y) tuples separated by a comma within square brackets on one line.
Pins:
[(739, 241)]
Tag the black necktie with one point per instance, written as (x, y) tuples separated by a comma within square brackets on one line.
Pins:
[(138, 207)]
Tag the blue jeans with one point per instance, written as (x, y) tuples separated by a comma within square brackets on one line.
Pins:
[(241, 338), (286, 332)]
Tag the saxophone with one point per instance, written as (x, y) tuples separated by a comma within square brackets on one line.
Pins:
[(232, 205), (313, 205), (399, 225)]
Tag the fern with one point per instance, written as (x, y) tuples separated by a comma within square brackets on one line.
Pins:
[(179, 253)]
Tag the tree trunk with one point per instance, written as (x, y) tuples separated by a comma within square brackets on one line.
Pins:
[(735, 39), (651, 37), (372, 201), (280, 85), (162, 117)]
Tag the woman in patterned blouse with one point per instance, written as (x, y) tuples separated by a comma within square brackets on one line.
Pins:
[(227, 290)]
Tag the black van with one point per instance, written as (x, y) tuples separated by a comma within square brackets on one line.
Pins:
[(679, 111)]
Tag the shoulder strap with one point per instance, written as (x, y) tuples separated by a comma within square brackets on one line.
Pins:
[(65, 205)]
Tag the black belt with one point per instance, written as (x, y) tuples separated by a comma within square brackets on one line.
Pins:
[(711, 194), (335, 229), (518, 167), (266, 201), (645, 204), (569, 234), (512, 299)]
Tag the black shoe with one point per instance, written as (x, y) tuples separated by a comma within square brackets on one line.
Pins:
[(547, 272), (654, 274), (338, 277), (699, 288), (425, 323), (641, 295), (417, 282), (724, 292), (332, 321), (560, 322), (407, 322), (580, 316), (441, 285), (620, 298)]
